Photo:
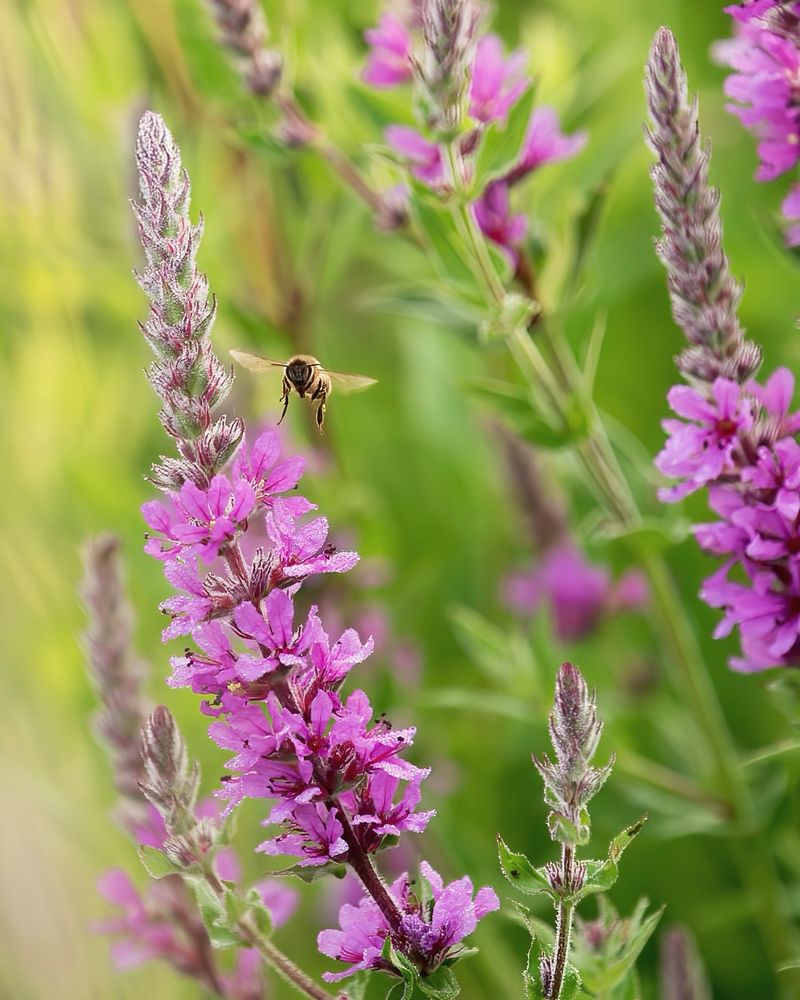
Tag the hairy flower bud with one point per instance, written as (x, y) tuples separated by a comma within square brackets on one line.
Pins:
[(448, 31), (186, 373), (171, 783), (704, 294), (570, 781), (243, 29)]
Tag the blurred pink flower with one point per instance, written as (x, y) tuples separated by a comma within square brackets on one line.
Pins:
[(389, 60), (497, 83), (578, 594)]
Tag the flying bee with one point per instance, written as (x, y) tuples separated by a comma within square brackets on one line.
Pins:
[(307, 377)]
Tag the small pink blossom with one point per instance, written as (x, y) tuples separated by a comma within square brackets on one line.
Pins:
[(497, 83), (701, 445), (389, 60), (493, 214), (546, 143), (425, 158)]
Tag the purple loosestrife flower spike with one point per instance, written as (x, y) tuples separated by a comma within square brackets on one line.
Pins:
[(186, 374), (243, 30), (341, 786), (116, 671), (736, 437), (704, 294), (570, 781)]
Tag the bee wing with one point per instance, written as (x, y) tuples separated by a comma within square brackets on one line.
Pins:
[(345, 382), (255, 362)]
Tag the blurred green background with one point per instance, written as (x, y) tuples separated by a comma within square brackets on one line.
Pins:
[(410, 472)]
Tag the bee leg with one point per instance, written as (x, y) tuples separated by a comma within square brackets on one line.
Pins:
[(284, 400), (320, 411)]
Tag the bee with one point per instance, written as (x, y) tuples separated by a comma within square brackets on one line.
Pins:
[(307, 376)]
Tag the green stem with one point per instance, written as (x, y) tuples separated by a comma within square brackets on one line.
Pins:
[(564, 912), (272, 956)]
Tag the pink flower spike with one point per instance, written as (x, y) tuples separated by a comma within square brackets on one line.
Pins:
[(497, 83)]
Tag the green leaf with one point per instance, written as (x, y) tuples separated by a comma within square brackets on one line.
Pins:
[(586, 227), (652, 534), (443, 242), (215, 912), (531, 977), (570, 984), (501, 144), (521, 873), (441, 984), (565, 831), (600, 876), (310, 873), (402, 963), (254, 905), (622, 841), (155, 862), (616, 972), (516, 405), (401, 991)]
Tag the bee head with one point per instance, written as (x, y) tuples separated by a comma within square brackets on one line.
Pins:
[(299, 373)]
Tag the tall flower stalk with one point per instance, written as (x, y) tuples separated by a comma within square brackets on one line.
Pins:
[(164, 922), (570, 782), (735, 437), (342, 786)]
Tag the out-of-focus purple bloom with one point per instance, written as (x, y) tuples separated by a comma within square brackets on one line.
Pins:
[(546, 143), (145, 933), (766, 86), (579, 594), (389, 61), (493, 214), (425, 158), (497, 83), (748, 11), (700, 447), (765, 53), (432, 929)]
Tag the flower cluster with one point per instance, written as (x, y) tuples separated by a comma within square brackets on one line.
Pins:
[(765, 55), (734, 437), (429, 930), (490, 85), (339, 779)]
